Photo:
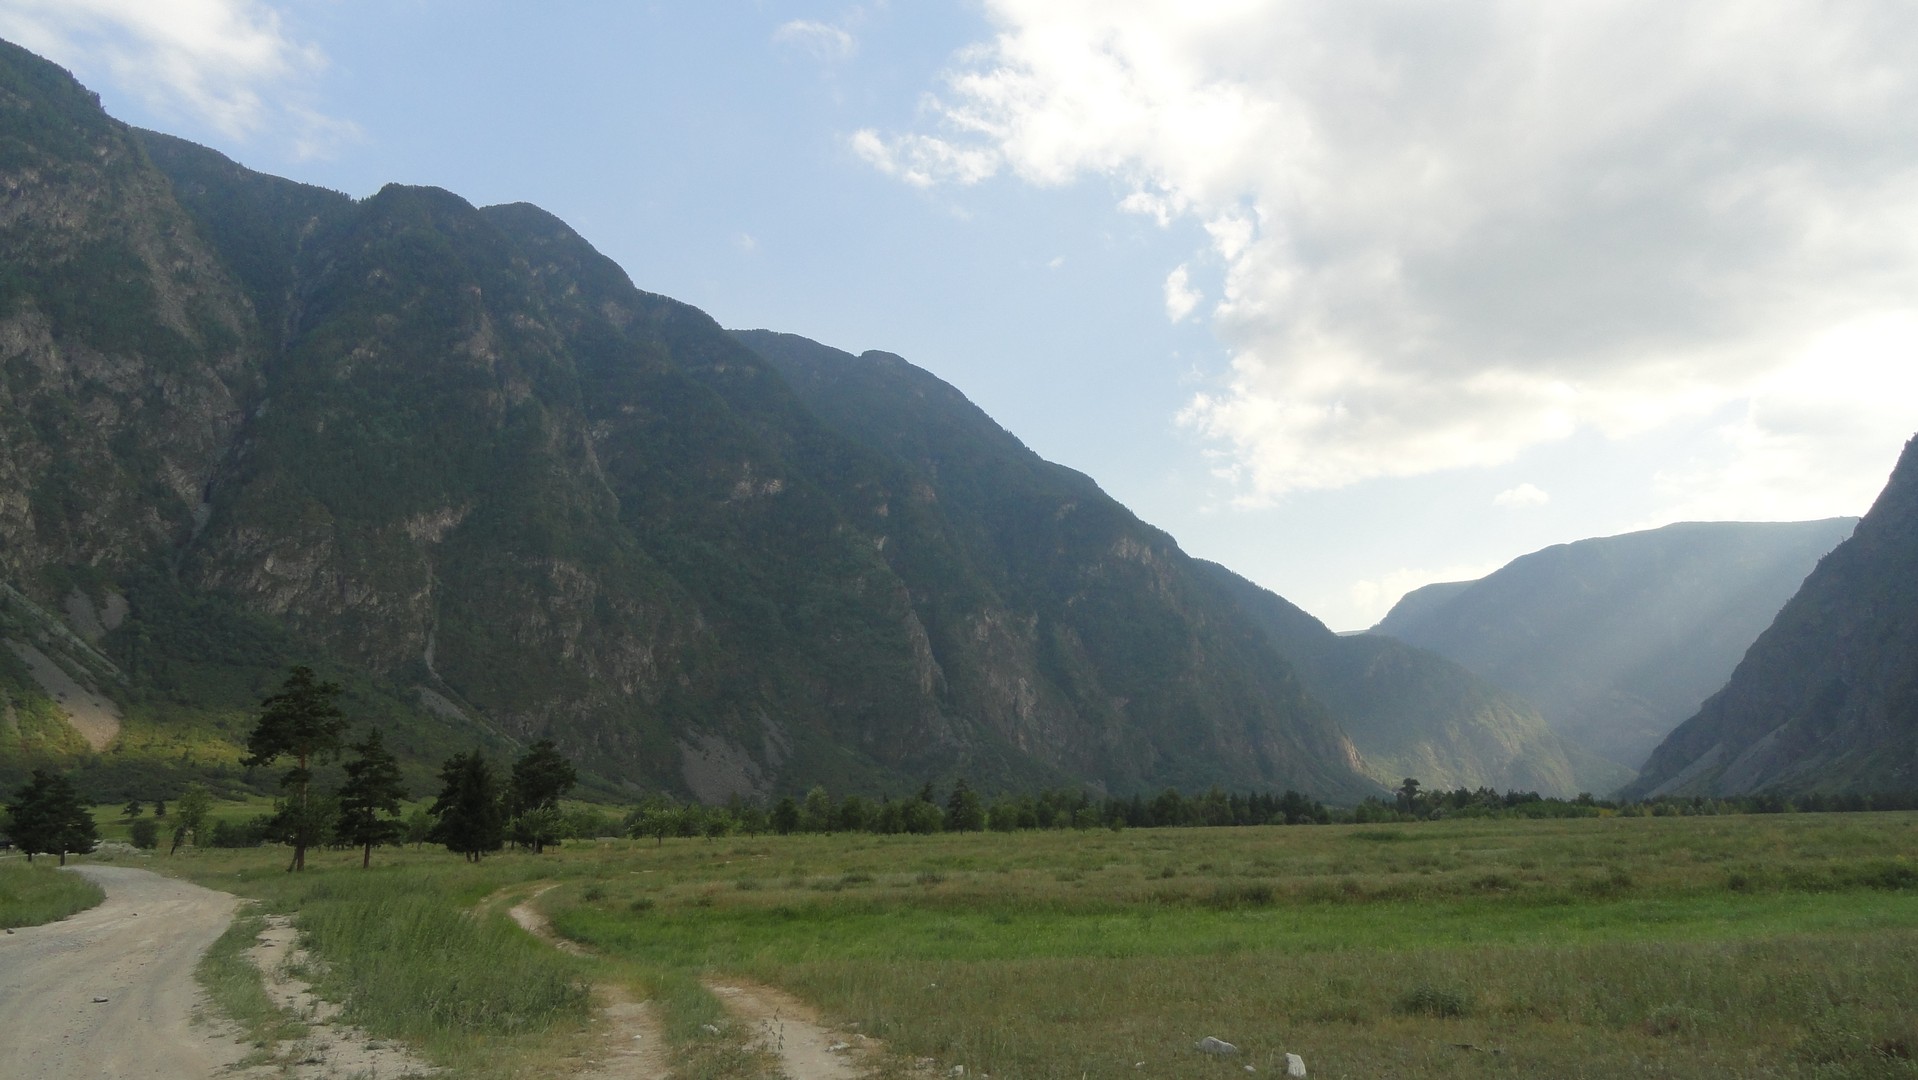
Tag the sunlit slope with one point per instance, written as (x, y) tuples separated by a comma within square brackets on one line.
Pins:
[(1618, 639), (1827, 697)]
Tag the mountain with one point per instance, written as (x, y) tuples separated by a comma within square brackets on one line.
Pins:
[(1827, 698), (454, 457), (1619, 639), (1411, 712)]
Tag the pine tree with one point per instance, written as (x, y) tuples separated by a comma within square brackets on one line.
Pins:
[(373, 787), (48, 817), (301, 720), (963, 812), (468, 808)]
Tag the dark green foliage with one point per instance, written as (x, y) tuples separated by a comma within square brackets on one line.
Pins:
[(190, 810), (963, 811), (301, 720), (145, 834), (47, 817), (370, 797), (469, 819), (785, 817), (541, 777), (242, 834)]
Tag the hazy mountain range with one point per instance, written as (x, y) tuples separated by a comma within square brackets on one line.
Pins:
[(1619, 639), (1827, 698)]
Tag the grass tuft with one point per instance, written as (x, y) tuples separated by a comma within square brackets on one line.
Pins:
[(36, 893)]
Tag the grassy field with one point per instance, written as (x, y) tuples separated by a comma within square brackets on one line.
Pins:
[(40, 893), (1674, 947)]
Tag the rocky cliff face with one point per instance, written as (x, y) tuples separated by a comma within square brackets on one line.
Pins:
[(1619, 639), (1827, 698), (126, 346), (455, 454)]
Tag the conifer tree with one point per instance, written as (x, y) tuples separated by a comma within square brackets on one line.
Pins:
[(47, 817), (301, 720), (373, 788), (470, 819)]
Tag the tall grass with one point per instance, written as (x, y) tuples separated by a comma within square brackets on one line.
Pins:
[(32, 894)]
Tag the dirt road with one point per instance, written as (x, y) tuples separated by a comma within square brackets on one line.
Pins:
[(110, 991)]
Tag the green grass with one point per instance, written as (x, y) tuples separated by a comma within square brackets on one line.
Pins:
[(1679, 947), (31, 894), (238, 992)]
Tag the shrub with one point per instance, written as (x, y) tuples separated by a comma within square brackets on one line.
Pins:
[(146, 833), (1427, 1000)]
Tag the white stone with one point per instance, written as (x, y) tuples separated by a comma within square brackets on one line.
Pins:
[(1294, 1065), (1218, 1047)]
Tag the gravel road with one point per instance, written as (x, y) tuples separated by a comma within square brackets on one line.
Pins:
[(136, 951)]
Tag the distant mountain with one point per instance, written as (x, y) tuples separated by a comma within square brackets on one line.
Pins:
[(1414, 713), (455, 457), (1617, 640), (1827, 698)]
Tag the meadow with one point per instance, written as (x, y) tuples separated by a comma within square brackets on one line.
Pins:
[(1751, 946)]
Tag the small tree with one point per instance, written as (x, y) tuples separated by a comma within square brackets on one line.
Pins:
[(419, 825), (159, 808), (372, 789), (1409, 796), (190, 812), (470, 820), (47, 817), (540, 779), (132, 809), (963, 812), (301, 720), (146, 834), (657, 816), (817, 813), (785, 820)]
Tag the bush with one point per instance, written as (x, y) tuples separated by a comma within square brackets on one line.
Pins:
[(1427, 1000), (241, 834), (146, 833)]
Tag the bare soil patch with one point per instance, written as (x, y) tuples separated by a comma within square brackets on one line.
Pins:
[(94, 716), (631, 1044), (792, 1030)]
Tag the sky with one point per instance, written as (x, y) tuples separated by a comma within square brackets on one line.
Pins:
[(1348, 295)]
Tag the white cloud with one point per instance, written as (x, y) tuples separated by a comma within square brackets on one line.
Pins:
[(1180, 297), (1522, 495), (1454, 232), (823, 42), (227, 63), (922, 161)]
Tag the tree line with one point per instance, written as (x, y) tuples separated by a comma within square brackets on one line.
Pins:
[(478, 811)]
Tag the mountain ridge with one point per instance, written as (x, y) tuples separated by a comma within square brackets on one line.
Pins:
[(1618, 639)]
